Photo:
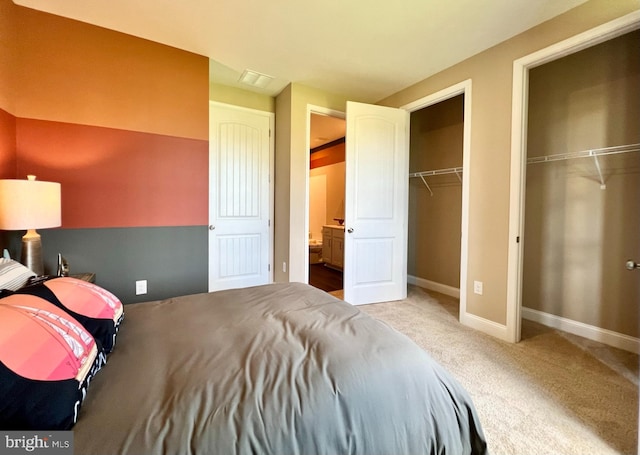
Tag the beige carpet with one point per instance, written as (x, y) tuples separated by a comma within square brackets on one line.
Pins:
[(552, 393)]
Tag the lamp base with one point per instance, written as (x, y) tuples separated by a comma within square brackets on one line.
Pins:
[(31, 255)]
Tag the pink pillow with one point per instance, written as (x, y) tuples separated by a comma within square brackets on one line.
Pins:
[(47, 360), (98, 310)]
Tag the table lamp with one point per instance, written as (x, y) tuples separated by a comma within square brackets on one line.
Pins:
[(30, 204)]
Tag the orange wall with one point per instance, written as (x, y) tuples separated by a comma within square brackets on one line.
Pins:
[(327, 156), (121, 122), (74, 72), (8, 34), (117, 178), (7, 145)]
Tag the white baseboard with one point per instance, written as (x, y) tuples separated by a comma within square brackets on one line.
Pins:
[(433, 286), (468, 319), (609, 337), (485, 325)]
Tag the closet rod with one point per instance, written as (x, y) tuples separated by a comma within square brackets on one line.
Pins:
[(585, 153), (423, 174), (449, 170), (594, 153)]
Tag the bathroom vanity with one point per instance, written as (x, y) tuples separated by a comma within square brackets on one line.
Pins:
[(333, 246)]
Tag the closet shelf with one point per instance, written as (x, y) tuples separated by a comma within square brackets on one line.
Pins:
[(593, 153), (422, 174)]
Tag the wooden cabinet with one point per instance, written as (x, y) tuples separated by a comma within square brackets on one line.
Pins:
[(337, 248), (326, 245), (333, 246)]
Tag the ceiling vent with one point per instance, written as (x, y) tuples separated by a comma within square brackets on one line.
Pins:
[(255, 79)]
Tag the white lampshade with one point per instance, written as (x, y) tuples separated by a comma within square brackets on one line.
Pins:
[(29, 204)]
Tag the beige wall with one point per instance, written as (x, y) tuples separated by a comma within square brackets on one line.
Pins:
[(578, 236), (334, 194), (244, 98), (292, 168), (489, 174), (317, 203), (435, 221), (282, 184)]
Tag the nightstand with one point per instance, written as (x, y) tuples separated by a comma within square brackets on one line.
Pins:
[(89, 276)]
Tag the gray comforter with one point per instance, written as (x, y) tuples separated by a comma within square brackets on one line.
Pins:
[(277, 369)]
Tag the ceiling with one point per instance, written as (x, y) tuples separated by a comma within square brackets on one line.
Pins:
[(325, 129), (364, 49)]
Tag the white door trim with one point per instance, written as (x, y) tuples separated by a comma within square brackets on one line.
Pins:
[(312, 109), (463, 87), (271, 117), (519, 110)]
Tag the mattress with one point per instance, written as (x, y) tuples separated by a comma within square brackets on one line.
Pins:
[(275, 369)]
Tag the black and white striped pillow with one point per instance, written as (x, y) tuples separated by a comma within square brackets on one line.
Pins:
[(13, 275)]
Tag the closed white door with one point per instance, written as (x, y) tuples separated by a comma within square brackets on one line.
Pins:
[(240, 155), (376, 204)]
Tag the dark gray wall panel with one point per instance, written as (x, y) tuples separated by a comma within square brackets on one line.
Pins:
[(173, 260)]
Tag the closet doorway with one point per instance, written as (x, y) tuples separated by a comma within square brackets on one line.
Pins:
[(435, 196), (440, 153), (576, 169), (326, 202)]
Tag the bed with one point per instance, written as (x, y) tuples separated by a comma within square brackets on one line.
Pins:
[(275, 369)]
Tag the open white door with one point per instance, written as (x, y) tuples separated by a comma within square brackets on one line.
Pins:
[(376, 204), (239, 197)]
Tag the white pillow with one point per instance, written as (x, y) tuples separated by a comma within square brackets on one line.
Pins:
[(13, 275)]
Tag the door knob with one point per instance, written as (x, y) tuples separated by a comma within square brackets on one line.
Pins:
[(211, 227), (631, 265), (350, 230)]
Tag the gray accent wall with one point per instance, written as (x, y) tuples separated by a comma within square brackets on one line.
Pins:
[(173, 260)]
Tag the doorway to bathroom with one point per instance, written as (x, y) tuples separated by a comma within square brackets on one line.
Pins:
[(326, 202)]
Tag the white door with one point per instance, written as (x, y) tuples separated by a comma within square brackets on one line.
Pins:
[(376, 204), (240, 155)]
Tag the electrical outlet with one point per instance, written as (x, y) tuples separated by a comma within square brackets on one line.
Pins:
[(141, 287), (284, 267), (477, 287)]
